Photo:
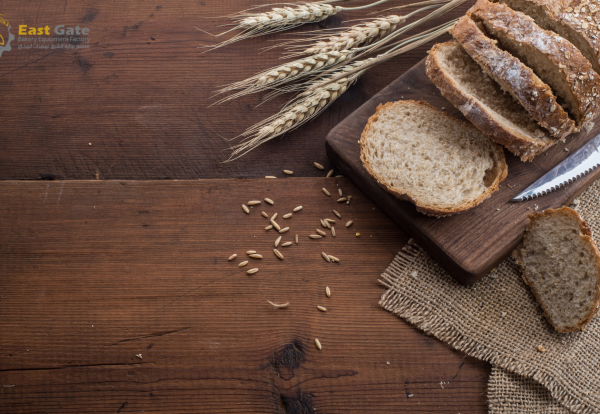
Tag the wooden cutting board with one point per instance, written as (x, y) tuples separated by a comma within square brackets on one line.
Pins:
[(471, 244)]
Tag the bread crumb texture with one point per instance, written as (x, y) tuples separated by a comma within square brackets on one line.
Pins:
[(442, 164)]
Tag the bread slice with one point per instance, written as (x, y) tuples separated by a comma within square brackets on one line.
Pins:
[(554, 59), (515, 78), (420, 154), (575, 20), (561, 263), (482, 101)]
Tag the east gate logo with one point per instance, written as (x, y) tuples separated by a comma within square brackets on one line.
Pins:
[(5, 35)]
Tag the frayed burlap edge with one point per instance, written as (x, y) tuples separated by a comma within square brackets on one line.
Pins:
[(436, 325)]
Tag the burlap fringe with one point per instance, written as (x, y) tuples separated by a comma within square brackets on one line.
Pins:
[(435, 325)]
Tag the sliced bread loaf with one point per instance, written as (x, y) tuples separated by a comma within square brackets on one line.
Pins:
[(418, 153), (514, 77), (554, 59), (575, 20), (462, 81), (561, 263)]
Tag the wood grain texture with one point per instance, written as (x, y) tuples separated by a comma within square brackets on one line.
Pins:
[(470, 244), (141, 94), (93, 273)]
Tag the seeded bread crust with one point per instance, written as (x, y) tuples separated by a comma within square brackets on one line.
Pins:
[(476, 112), (516, 78), (586, 234), (576, 70), (406, 194), (581, 16)]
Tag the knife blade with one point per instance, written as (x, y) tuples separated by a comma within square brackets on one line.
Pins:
[(577, 165)]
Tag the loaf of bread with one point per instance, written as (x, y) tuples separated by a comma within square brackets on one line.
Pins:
[(554, 59), (561, 263), (575, 20), (420, 154), (462, 81), (514, 77)]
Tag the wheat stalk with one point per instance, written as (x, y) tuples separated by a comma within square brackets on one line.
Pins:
[(288, 72), (300, 110)]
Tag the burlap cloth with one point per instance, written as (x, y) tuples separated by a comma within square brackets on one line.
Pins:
[(498, 320)]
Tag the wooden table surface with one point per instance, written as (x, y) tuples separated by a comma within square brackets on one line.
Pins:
[(104, 263)]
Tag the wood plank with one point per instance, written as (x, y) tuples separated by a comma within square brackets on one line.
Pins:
[(93, 273), (468, 245), (141, 94)]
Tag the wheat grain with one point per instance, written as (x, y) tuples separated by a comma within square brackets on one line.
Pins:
[(278, 253), (342, 199), (233, 256), (327, 291), (269, 227), (322, 308), (326, 192), (288, 172), (326, 257), (251, 252), (326, 224), (274, 216), (277, 241), (328, 220), (277, 227), (288, 215), (253, 202), (297, 209), (333, 231), (252, 271), (315, 236), (296, 239), (270, 176), (278, 305), (319, 166), (321, 232), (348, 224), (300, 110), (245, 209), (255, 256), (337, 214), (318, 343), (284, 230), (265, 215), (286, 244), (340, 191), (244, 263), (268, 200), (334, 259), (329, 174)]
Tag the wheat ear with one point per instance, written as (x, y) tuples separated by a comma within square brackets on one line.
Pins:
[(300, 110), (274, 77)]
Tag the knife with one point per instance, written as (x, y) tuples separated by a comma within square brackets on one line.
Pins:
[(576, 165)]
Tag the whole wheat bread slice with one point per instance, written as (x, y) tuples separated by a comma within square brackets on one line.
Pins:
[(514, 77), (420, 154), (561, 263), (498, 115), (554, 59), (575, 20)]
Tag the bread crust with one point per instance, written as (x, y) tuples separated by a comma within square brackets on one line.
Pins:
[(423, 208), (581, 16), (476, 112), (575, 69), (586, 235), (514, 77)]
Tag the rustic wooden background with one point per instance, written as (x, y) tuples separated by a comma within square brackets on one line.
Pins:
[(140, 94), (96, 272)]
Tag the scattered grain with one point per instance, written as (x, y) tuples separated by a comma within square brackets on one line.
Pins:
[(326, 192), (251, 252), (277, 241), (252, 271), (286, 244), (254, 202), (339, 176), (322, 308), (318, 343), (244, 263), (319, 166), (327, 291), (256, 256), (288, 172), (326, 257), (277, 227), (288, 215), (333, 231), (341, 200), (245, 209), (348, 224), (330, 173), (270, 176), (541, 348), (323, 223), (297, 209), (315, 236), (137, 355), (340, 191), (268, 200), (284, 230), (274, 216), (269, 227), (334, 259), (278, 253), (233, 256), (330, 221), (337, 214), (321, 232), (357, 234), (265, 215), (296, 239), (279, 305)]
